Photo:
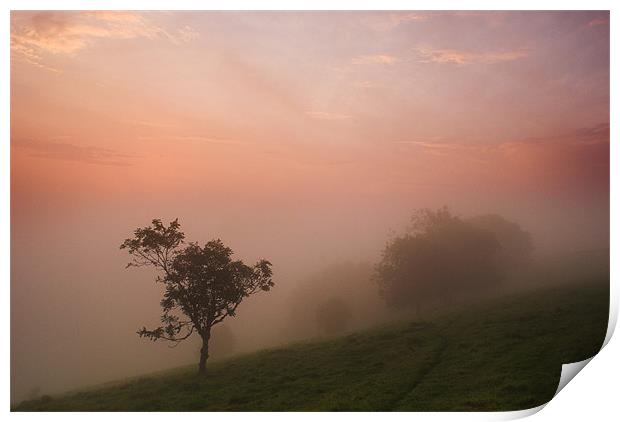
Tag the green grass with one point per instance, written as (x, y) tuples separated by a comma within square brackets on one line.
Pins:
[(504, 354)]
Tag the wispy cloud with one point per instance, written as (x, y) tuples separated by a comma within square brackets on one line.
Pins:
[(427, 54), (384, 22), (577, 159), (386, 59), (65, 151), (441, 146), (148, 123), (591, 135), (322, 115), (437, 145), (190, 138), (598, 22), (387, 22), (187, 34), (206, 139), (34, 35), (366, 84)]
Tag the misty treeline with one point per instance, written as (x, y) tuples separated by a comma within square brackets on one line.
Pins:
[(439, 259), (442, 256)]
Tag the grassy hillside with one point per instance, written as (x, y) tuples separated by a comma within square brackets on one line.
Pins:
[(500, 355)]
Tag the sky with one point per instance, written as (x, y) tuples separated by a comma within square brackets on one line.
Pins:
[(302, 137)]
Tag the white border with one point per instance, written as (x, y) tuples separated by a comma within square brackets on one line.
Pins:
[(591, 395)]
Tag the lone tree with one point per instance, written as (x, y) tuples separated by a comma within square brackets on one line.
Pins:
[(203, 285)]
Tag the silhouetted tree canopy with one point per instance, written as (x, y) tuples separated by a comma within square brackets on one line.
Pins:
[(440, 256), (333, 316), (203, 284)]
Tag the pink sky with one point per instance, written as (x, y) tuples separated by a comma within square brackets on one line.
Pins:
[(319, 103)]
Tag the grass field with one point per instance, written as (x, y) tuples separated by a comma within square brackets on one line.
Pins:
[(504, 354)]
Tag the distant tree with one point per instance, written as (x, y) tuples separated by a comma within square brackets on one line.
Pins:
[(203, 285), (440, 256), (333, 316), (349, 280), (516, 243)]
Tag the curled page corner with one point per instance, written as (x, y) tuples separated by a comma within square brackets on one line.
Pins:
[(519, 414), (569, 370)]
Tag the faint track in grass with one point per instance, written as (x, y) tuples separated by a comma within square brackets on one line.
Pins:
[(435, 360)]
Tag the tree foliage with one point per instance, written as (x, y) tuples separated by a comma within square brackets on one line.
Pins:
[(440, 256), (203, 284), (516, 243)]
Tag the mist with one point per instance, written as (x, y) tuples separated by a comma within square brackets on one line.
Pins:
[(75, 308)]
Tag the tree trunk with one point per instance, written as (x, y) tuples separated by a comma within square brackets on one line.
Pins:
[(204, 354)]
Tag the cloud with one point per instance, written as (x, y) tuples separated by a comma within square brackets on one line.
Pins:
[(384, 22), (366, 84), (427, 54), (441, 147), (586, 136), (34, 35), (65, 151), (577, 159), (386, 59), (187, 34), (590, 135), (205, 139), (574, 160), (598, 22), (438, 145), (387, 22), (148, 123), (113, 16), (321, 115), (191, 138)]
